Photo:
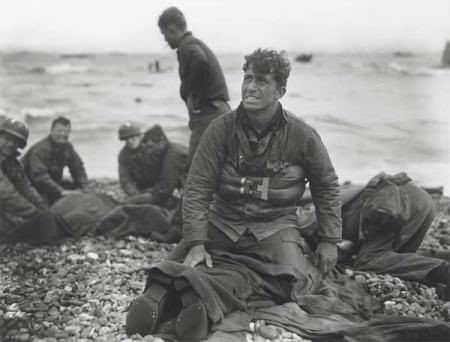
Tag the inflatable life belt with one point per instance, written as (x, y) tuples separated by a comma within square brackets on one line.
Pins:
[(284, 188)]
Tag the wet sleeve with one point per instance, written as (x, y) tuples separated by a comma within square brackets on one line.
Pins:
[(12, 202), (202, 182), (198, 72), (39, 175), (324, 187), (27, 189), (77, 170), (126, 182), (172, 171)]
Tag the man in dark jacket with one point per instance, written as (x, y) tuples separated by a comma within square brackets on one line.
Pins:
[(45, 161), (203, 86), (151, 167), (239, 212), (23, 213), (383, 225)]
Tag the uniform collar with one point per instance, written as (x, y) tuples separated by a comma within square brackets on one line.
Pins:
[(274, 124), (187, 36), (56, 145)]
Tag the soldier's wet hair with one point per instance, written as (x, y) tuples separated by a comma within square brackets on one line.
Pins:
[(266, 61), (62, 120), (172, 15)]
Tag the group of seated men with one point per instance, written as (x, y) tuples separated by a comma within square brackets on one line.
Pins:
[(150, 170), (241, 206)]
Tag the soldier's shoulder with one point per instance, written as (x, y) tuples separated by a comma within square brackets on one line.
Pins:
[(194, 48), (43, 144), (226, 118), (123, 152), (298, 125), (41, 147)]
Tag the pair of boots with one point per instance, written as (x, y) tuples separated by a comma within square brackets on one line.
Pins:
[(158, 306)]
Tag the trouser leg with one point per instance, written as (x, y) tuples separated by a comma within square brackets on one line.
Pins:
[(199, 123), (422, 214), (284, 249), (378, 255)]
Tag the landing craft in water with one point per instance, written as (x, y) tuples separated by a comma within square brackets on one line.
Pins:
[(77, 55), (403, 54), (304, 57), (446, 55)]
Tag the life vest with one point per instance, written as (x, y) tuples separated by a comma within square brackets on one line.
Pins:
[(283, 188)]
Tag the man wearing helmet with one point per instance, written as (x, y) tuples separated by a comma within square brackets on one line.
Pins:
[(45, 161), (150, 167), (20, 203)]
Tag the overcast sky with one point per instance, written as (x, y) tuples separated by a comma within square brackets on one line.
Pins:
[(227, 25)]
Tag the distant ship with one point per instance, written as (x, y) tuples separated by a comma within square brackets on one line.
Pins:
[(77, 55), (304, 57), (446, 55), (403, 54)]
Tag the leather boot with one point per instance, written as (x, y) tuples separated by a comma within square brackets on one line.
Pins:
[(145, 312), (192, 322)]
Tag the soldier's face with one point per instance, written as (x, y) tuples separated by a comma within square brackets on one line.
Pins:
[(133, 142), (259, 91), (9, 145), (171, 35), (60, 133)]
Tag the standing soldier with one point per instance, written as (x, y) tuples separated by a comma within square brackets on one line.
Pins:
[(203, 86), (45, 161)]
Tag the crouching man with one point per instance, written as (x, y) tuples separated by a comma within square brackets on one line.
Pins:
[(151, 173), (384, 224), (241, 238), (151, 167), (23, 213)]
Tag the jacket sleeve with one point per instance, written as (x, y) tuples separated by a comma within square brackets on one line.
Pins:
[(77, 170), (13, 202), (39, 174), (197, 72), (324, 187), (202, 182), (27, 189), (126, 182), (172, 170)]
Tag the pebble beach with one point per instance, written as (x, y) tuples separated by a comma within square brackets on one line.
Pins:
[(79, 290)]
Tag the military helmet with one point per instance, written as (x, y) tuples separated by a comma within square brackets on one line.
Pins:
[(128, 130), (15, 128)]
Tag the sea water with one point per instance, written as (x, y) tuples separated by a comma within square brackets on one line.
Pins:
[(374, 112)]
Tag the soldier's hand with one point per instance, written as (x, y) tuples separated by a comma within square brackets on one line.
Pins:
[(70, 192), (197, 255), (191, 105), (144, 198), (326, 256)]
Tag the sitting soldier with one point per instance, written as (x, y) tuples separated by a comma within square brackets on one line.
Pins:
[(45, 161), (23, 213), (241, 246), (150, 167)]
